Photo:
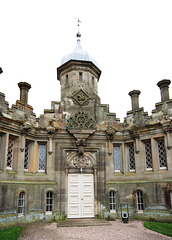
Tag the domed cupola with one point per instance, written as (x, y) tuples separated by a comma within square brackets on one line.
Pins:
[(78, 54)]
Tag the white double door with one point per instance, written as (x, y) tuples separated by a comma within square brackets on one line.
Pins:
[(80, 196)]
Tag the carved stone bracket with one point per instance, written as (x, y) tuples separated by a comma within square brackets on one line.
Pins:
[(134, 132), (110, 136), (25, 128), (81, 137), (81, 144), (50, 129), (110, 132)]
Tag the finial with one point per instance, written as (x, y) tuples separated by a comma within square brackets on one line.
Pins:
[(78, 33)]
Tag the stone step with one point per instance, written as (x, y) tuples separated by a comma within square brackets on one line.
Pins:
[(83, 222)]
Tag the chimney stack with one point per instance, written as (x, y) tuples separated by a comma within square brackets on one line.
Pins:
[(163, 85), (134, 99), (24, 89)]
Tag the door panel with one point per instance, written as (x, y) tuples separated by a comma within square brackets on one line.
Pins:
[(88, 200), (80, 195), (73, 195)]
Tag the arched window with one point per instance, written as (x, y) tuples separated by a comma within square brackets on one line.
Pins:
[(140, 206), (21, 203), (49, 202), (112, 200)]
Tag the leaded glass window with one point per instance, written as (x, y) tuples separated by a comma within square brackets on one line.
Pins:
[(26, 156), (112, 200), (139, 200), (49, 202), (42, 156), (10, 153), (162, 155), (21, 203), (148, 154), (116, 159), (131, 157)]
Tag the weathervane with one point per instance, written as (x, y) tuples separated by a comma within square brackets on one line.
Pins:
[(78, 33)]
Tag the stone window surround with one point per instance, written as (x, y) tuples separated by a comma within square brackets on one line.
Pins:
[(156, 139), (44, 198), (25, 201), (30, 148), (120, 157), (112, 201), (127, 144), (49, 204), (155, 155), (144, 142), (21, 204), (143, 198), (15, 152), (3, 154), (45, 167), (112, 189), (140, 203), (10, 153)]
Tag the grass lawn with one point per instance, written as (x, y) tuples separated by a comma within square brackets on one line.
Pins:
[(11, 233), (164, 228)]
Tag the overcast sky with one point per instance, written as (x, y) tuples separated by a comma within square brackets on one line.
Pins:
[(131, 40)]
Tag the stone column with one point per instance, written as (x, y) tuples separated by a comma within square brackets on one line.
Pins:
[(24, 89), (163, 85), (134, 99)]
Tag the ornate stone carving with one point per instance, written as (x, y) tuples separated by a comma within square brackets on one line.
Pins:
[(80, 97), (81, 144), (110, 132), (81, 162), (50, 129), (81, 120), (110, 136), (26, 127)]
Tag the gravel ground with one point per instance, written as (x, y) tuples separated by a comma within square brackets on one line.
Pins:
[(117, 230)]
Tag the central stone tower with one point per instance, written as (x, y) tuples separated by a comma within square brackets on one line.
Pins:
[(78, 76)]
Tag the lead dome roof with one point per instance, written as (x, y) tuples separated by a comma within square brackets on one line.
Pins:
[(78, 54)]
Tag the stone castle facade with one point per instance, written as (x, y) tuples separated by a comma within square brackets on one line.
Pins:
[(78, 159)]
